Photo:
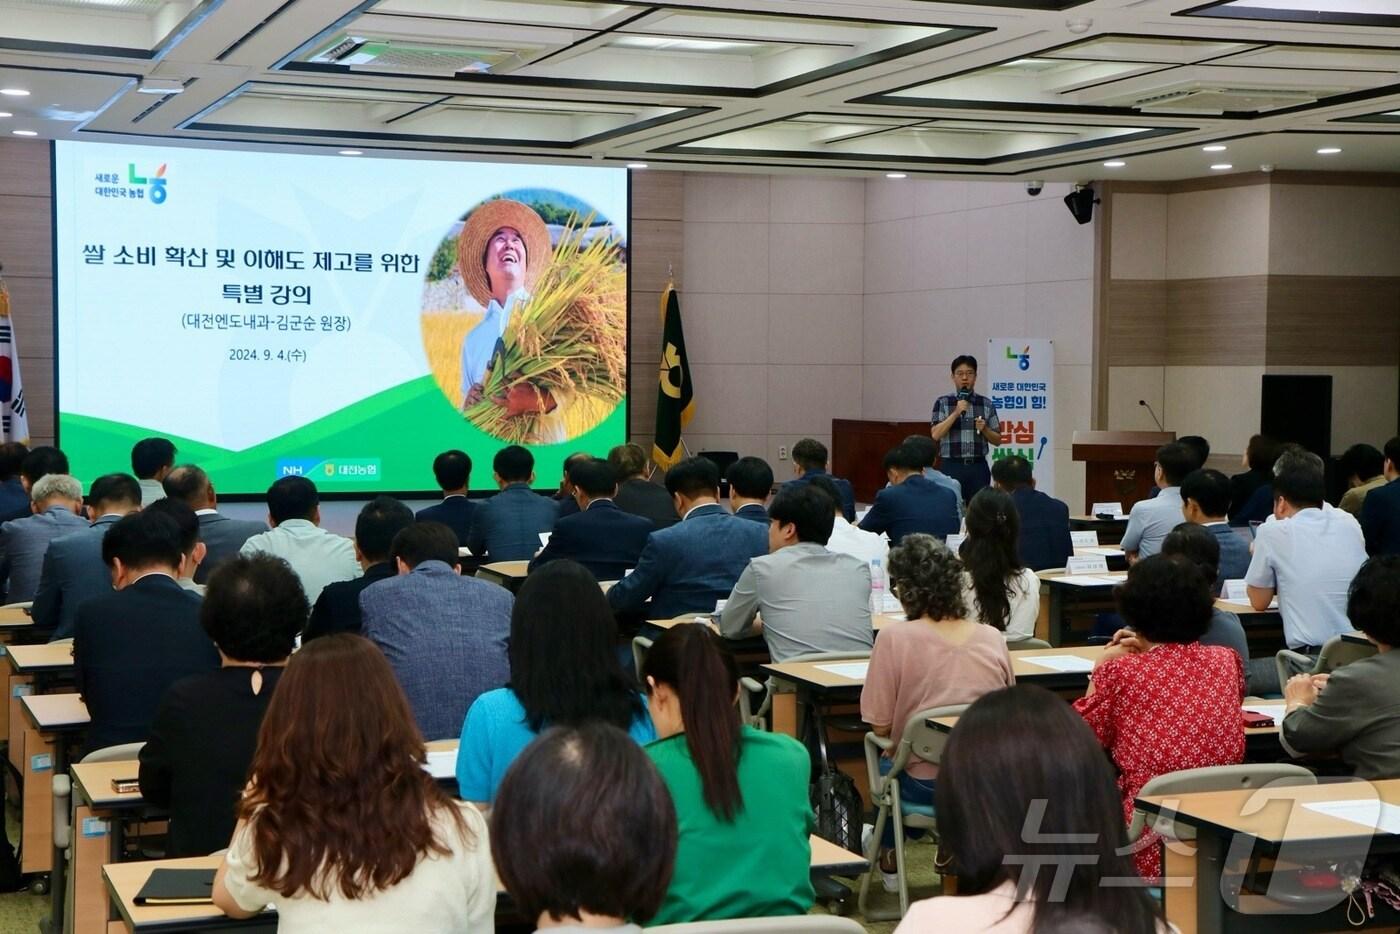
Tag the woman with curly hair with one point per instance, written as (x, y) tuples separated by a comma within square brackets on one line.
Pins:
[(934, 658), (341, 827)]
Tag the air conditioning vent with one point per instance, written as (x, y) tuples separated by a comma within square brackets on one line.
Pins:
[(419, 58)]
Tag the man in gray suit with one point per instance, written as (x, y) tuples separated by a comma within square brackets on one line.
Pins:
[(57, 500), (444, 634), (73, 569), (507, 526), (222, 536)]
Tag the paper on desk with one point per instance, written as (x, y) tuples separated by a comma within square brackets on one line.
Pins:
[(442, 763), (1272, 711), (1068, 663), (889, 603), (1107, 551), (1086, 564), (1089, 539), (1376, 815), (1088, 580), (853, 670), (954, 542)]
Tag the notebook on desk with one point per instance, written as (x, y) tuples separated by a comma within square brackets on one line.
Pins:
[(177, 887)]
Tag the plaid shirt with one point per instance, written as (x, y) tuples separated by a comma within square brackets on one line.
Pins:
[(963, 440)]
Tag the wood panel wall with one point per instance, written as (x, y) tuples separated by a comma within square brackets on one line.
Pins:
[(26, 253)]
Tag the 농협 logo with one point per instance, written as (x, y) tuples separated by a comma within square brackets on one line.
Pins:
[(1023, 359), (157, 181)]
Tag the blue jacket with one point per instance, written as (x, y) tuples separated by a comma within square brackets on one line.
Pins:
[(223, 538), (23, 543), (603, 539), (1045, 539), (73, 572), (14, 501), (915, 505), (753, 512), (1380, 519), (507, 526), (848, 495), (1234, 553), (691, 565), (455, 512)]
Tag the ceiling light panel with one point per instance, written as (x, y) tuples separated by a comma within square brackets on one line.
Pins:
[(1332, 12), (132, 28)]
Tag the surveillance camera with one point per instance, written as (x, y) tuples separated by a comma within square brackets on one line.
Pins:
[(1080, 25), (1266, 167), (1034, 187)]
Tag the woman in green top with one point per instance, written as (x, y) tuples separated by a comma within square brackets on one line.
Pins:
[(740, 794)]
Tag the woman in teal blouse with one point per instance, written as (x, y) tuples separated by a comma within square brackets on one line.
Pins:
[(740, 794)]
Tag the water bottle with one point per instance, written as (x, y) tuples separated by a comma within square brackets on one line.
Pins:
[(877, 587)]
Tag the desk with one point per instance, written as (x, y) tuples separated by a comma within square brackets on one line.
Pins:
[(509, 574), (1232, 826), (51, 720), (1067, 598), (946, 724), (32, 669), (1110, 530), (97, 816)]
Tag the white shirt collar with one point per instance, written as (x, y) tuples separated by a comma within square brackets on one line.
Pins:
[(206, 512), (693, 508)]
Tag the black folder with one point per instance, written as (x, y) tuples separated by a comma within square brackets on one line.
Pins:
[(178, 887)]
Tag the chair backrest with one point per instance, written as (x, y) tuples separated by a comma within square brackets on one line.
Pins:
[(1337, 652), (829, 656), (1214, 778), (924, 741), (808, 924), (120, 753), (640, 645), (1030, 642)]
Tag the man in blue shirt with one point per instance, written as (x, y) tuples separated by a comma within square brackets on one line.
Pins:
[(1152, 519), (966, 424), (1205, 496)]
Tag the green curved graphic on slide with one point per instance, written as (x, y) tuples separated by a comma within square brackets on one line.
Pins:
[(385, 442)]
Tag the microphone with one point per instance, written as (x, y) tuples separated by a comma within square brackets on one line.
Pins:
[(1143, 403), (963, 396)]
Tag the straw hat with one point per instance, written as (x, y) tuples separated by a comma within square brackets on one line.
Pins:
[(481, 225)]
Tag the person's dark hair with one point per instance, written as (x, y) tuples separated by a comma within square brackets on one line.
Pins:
[(114, 489), (1300, 479), (1198, 446), (338, 798), (1210, 489), (292, 498), (575, 458), (149, 455), (253, 608), (695, 663), (991, 553), (452, 469), (693, 477), (1019, 751), (927, 578), (1176, 460), (1198, 545), (901, 458), (12, 454), (184, 518), (1012, 472), (593, 476), (42, 461), (1166, 598), (810, 454), (629, 460), (1392, 451), (187, 483), (513, 464), (921, 448), (379, 521), (1362, 461), (563, 667), (750, 477), (584, 823), (1373, 601), (961, 359), (1261, 452), (827, 486), (807, 508), (142, 540), (425, 541)]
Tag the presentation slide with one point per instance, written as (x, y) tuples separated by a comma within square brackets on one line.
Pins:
[(340, 318)]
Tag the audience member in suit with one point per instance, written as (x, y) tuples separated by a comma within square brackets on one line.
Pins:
[(1363, 469), (1045, 540), (338, 607), (810, 599), (444, 634), (635, 493), (14, 496), (601, 537), (58, 504), (152, 459), (73, 571), (912, 502), (809, 458), (750, 483), (195, 761), (507, 526), (453, 472), (695, 563), (39, 463), (925, 449), (341, 828), (1380, 513), (846, 538), (1353, 710), (1150, 520), (563, 672), (131, 645), (1205, 498), (605, 866), (192, 549), (319, 557), (222, 536), (1259, 457), (565, 497)]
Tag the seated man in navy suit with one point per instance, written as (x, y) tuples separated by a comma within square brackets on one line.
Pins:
[(568, 506), (453, 471), (809, 458), (507, 526), (912, 502), (750, 482), (597, 535), (1205, 496), (693, 564), (1045, 538), (14, 498)]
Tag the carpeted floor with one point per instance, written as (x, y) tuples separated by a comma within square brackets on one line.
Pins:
[(19, 911)]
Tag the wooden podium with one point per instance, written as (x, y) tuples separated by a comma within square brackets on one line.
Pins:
[(1118, 464), (858, 449)]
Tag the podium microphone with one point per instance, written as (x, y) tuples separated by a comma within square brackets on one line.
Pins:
[(1143, 403)]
